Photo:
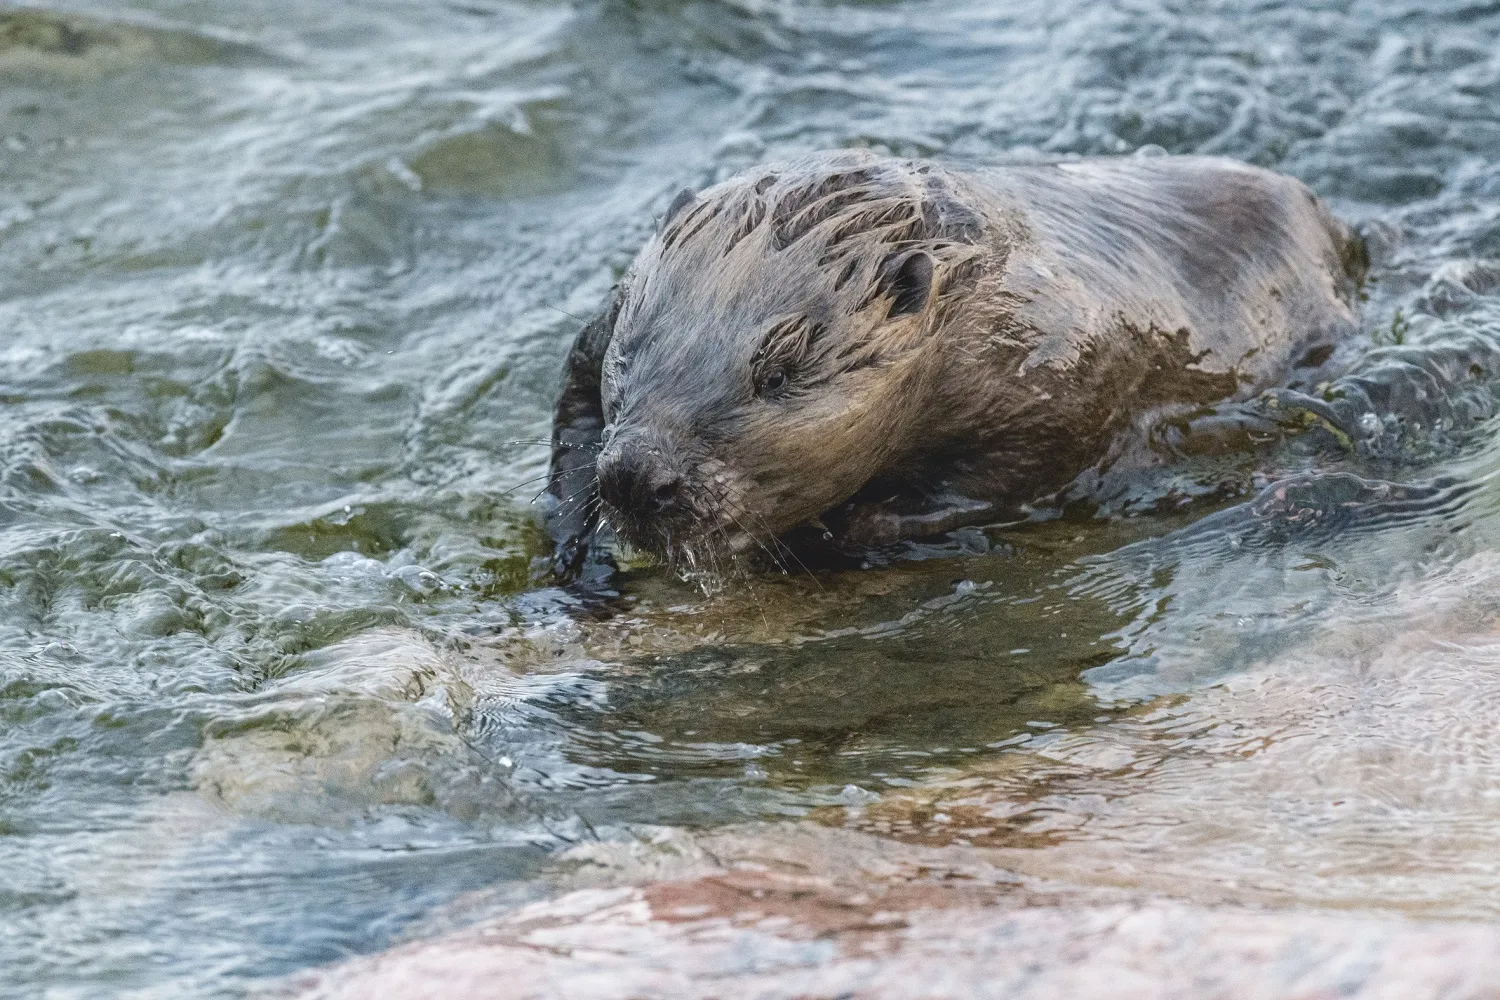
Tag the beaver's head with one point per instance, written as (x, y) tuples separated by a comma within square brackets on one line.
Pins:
[(772, 349)]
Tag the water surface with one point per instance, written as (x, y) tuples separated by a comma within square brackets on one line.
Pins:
[(284, 292)]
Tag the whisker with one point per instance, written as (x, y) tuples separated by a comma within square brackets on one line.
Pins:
[(756, 539), (534, 479), (590, 485), (567, 499), (795, 558), (745, 577), (745, 509), (565, 313), (549, 443)]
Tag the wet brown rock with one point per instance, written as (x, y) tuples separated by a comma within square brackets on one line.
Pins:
[(764, 935)]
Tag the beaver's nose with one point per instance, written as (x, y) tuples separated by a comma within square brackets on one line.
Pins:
[(640, 481)]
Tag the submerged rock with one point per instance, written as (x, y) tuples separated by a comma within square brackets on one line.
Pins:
[(1291, 831)]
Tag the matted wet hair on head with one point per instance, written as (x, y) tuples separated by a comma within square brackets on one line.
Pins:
[(891, 223)]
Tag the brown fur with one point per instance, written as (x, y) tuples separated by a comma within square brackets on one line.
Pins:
[(986, 332)]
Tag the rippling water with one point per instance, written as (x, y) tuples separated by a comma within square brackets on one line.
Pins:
[(284, 290)]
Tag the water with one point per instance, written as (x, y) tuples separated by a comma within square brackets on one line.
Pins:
[(284, 291)]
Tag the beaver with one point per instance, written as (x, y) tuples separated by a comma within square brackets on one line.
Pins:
[(894, 348)]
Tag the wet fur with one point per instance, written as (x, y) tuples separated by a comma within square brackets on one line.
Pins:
[(986, 334)]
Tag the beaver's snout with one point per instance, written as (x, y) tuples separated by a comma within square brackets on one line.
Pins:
[(641, 482)]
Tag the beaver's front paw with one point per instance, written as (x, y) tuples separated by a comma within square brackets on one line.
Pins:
[(862, 527), (865, 526)]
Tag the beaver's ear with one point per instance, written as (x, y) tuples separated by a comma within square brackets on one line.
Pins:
[(907, 280), (682, 200)]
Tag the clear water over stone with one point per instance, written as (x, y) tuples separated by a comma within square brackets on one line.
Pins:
[(284, 291)]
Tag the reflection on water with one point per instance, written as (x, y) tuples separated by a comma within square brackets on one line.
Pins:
[(1352, 770), (284, 290)]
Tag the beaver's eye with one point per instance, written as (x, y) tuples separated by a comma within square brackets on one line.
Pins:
[(772, 381)]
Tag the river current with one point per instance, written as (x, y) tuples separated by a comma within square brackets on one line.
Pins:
[(284, 294)]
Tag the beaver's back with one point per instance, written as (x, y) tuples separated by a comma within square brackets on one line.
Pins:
[(1247, 262)]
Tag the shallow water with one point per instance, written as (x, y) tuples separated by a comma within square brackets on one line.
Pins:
[(284, 289)]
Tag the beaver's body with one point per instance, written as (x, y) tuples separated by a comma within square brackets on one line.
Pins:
[(907, 347)]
